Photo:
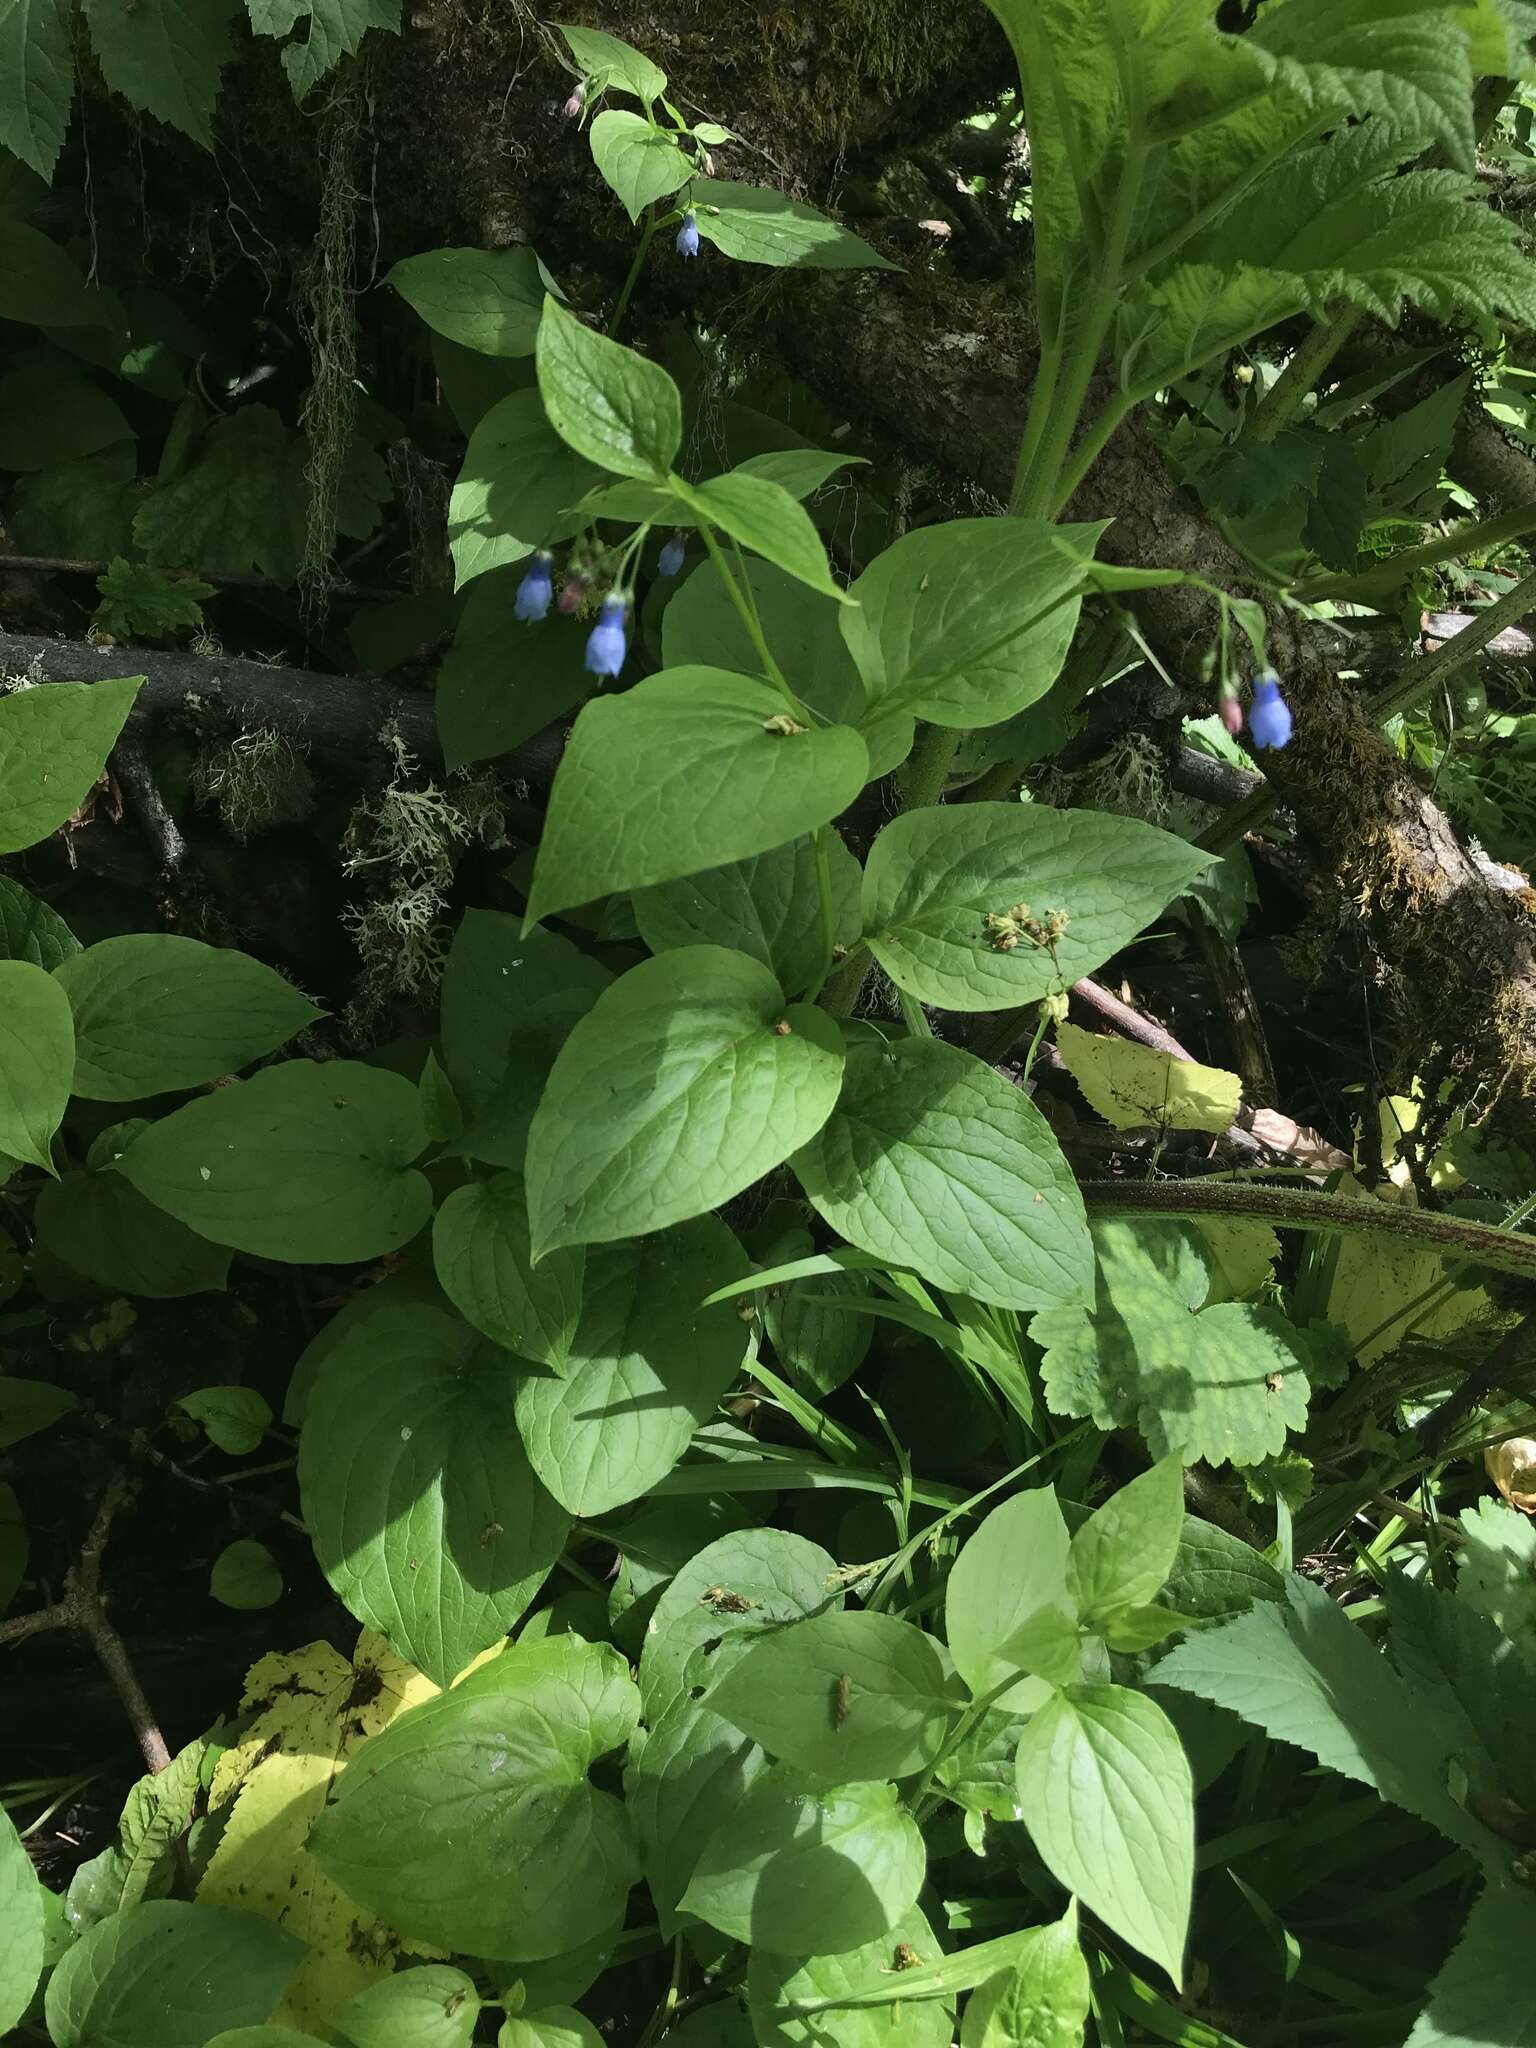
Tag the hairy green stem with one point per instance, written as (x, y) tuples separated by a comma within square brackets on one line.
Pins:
[(928, 765), (1480, 1244), (1481, 533), (626, 290), (1287, 394)]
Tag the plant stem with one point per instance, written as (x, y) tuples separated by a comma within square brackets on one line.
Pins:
[(621, 306), (1285, 396), (1504, 1251), (825, 910), (747, 613), (928, 766), (841, 995), (1482, 533)]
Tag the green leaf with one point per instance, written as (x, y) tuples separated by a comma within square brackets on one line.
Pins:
[(764, 517), (554, 2026), (137, 601), (808, 1872), (685, 1774), (37, 1056), (481, 1249), (1307, 1674), (167, 1975), (1104, 1789), (45, 287), (605, 62), (336, 30), (606, 402), (775, 1982), (485, 299), (843, 1696), (434, 2006), (54, 743), (246, 1576), (240, 506), (723, 1599), (78, 509), (756, 225), (707, 1080), (685, 771), (37, 62), (470, 1821), (933, 1161), (155, 1013), (1012, 1568), (641, 163), (1225, 1383), (140, 1861), (765, 906), (306, 1162), (1122, 1555), (165, 56), (504, 679), (99, 1225), (26, 1406), (819, 1342), (417, 1492), (235, 1418), (50, 414), (1041, 2002), (1475, 1682), (934, 877), (1216, 1576), (30, 930), (1484, 1993), (967, 623), (21, 1922), (512, 492), (646, 1368), (702, 625)]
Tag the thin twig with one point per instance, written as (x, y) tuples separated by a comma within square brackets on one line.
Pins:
[(131, 765), (236, 579)]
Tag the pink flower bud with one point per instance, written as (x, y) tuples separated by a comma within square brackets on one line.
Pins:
[(1231, 714), (572, 591), (576, 104)]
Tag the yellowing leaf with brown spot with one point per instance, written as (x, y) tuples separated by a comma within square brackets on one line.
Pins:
[(313, 1710), (1385, 1290), (1131, 1085)]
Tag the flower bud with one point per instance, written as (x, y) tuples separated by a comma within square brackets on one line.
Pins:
[(670, 560), (1231, 712), (576, 104), (572, 591)]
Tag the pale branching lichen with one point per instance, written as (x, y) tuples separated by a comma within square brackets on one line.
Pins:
[(257, 780)]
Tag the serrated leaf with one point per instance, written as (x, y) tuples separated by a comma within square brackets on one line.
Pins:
[(137, 601), (308, 1713), (685, 771), (436, 1826), (165, 56), (763, 516), (306, 1162), (54, 743), (606, 61), (240, 506), (646, 1367), (1009, 1570), (512, 492), (932, 1160), (1484, 1992), (1216, 1576), (1135, 1085), (1104, 1788), (809, 1872), (642, 164), (605, 401), (481, 1248), (140, 1862), (934, 877), (37, 1058), (164, 1974), (485, 299), (36, 59), (155, 1013), (754, 224), (968, 622), (425, 1516), (843, 1696), (335, 30), (1225, 1384), (708, 1080)]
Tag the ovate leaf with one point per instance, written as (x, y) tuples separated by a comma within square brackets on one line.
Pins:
[(156, 1013), (485, 299), (30, 930), (21, 1921), (765, 906), (1104, 1788), (605, 401), (511, 495), (606, 61), (1122, 1555), (140, 1862), (434, 2006), (417, 1492), (763, 516), (54, 743), (481, 1248), (37, 1057), (686, 771), (246, 1576), (104, 1228), (959, 899), (26, 1406), (843, 1696), (932, 1160), (1133, 1085), (686, 1772), (641, 163), (1014, 1566), (504, 679), (168, 1975), (38, 65), (776, 1982), (731, 1593), (809, 1872), (472, 1823), (308, 1162), (707, 1078), (1040, 2002), (756, 225), (645, 1369)]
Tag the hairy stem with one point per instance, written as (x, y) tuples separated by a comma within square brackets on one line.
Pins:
[(1287, 394)]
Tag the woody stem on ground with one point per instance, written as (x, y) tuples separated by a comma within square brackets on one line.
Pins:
[(81, 1608)]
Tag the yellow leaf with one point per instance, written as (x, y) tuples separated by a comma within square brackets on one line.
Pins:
[(1377, 1282), (312, 1710), (1131, 1085), (1240, 1255)]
